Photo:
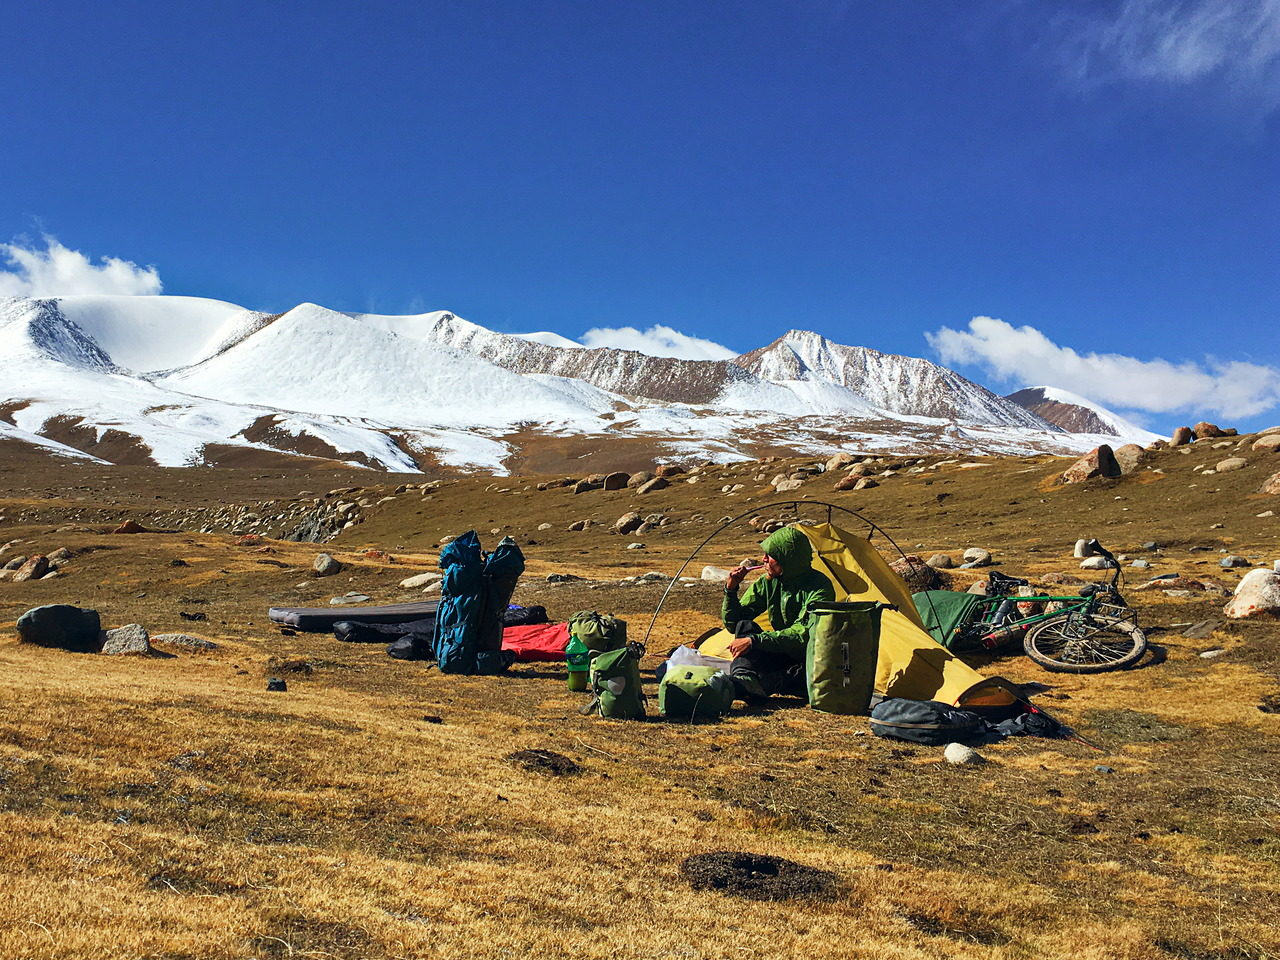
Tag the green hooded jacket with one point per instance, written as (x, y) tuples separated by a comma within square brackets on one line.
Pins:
[(788, 598)]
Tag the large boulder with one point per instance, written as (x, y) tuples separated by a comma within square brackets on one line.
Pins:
[(918, 575), (642, 476), (616, 481), (587, 484), (131, 640), (786, 486), (941, 561), (1181, 437), (1272, 485), (1205, 430), (977, 556), (1098, 462), (1129, 456), (35, 568), (418, 581), (846, 483), (669, 470), (839, 461), (657, 483), (1257, 595), (325, 565), (62, 627), (1229, 464), (627, 522), (1268, 443)]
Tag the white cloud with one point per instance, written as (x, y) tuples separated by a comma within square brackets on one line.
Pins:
[(657, 341), (1024, 356), (57, 271), (1182, 42)]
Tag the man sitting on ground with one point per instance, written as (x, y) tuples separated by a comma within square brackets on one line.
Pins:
[(766, 662)]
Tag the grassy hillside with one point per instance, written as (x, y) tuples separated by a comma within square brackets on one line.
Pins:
[(171, 807)]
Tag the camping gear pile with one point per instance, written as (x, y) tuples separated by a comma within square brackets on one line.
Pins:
[(868, 652)]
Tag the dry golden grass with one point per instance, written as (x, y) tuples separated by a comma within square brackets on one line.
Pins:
[(171, 808)]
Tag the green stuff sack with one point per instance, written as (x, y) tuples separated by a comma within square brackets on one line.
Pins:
[(841, 656), (615, 681), (695, 693), (601, 632)]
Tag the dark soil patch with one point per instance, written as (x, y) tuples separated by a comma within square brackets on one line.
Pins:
[(1132, 726), (545, 761), (973, 932), (1270, 703), (757, 876)]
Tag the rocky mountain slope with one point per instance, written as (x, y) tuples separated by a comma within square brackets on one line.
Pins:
[(186, 381), (1075, 414)]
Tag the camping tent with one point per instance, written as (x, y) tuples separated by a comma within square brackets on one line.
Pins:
[(912, 664)]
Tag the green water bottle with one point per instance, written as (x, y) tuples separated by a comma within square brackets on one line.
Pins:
[(577, 656)]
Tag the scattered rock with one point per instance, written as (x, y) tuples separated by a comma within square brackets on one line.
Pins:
[(130, 640), (61, 555), (131, 526), (1103, 768), (715, 574), (866, 483), (351, 597), (1272, 485), (1212, 654), (1095, 563), (756, 876), (545, 761), (978, 557), (544, 526), (580, 525), (419, 580), (1235, 560), (1230, 464), (1181, 437), (635, 546), (941, 561), (62, 627), (849, 482), (183, 640), (1129, 457), (1141, 564), (325, 566), (627, 522), (786, 486), (1172, 581), (585, 485), (1098, 462), (637, 479), (1257, 595), (839, 461), (669, 470), (14, 563), (616, 481), (962, 755), (35, 568), (657, 483), (277, 685), (433, 589)]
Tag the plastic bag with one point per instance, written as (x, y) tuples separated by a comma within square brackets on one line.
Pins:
[(689, 657)]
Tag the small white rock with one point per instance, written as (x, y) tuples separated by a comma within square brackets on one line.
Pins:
[(962, 755)]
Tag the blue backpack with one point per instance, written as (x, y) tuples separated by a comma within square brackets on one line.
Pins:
[(474, 594)]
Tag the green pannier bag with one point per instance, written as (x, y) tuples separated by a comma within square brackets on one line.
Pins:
[(841, 655), (695, 693), (615, 681), (601, 632)]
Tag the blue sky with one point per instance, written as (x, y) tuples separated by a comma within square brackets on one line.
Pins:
[(1103, 175)]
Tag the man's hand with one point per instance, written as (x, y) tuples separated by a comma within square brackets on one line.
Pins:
[(739, 646), (736, 576)]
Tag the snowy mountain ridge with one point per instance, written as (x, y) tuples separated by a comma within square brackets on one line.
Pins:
[(183, 380)]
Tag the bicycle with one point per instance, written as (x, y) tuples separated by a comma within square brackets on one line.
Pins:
[(1091, 632)]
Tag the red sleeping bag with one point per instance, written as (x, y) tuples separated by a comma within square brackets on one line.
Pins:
[(541, 642)]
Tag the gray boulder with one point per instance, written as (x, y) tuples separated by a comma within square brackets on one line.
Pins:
[(627, 522), (325, 566), (962, 755), (657, 483), (419, 580), (941, 561), (977, 557), (1095, 563), (1235, 560), (62, 627), (183, 640), (1229, 464), (1257, 595), (33, 569), (131, 640)]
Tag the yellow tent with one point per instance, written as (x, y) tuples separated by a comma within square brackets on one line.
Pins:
[(912, 664)]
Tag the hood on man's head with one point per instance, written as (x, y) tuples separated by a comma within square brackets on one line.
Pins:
[(791, 549)]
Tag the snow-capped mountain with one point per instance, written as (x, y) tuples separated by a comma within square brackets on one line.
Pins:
[(1076, 414), (182, 380)]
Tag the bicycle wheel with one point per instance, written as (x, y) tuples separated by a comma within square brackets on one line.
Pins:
[(1085, 643)]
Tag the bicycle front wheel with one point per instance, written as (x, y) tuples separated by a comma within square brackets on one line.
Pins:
[(1085, 643)]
